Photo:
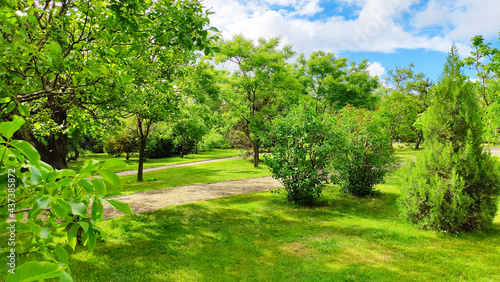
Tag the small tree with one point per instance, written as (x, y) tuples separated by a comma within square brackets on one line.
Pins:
[(454, 186), (364, 155), (302, 149)]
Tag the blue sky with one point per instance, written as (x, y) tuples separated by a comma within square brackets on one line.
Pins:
[(387, 32)]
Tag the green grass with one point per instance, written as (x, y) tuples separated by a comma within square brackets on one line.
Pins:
[(133, 162), (258, 237), (201, 173)]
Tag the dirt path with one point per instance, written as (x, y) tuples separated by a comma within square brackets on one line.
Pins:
[(131, 172), (495, 151), (156, 199)]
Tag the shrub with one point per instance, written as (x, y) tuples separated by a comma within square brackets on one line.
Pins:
[(159, 146), (454, 185), (364, 155), (302, 149), (124, 142)]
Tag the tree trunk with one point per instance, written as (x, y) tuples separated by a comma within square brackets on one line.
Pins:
[(255, 150), (128, 156), (417, 145), (56, 150), (141, 159)]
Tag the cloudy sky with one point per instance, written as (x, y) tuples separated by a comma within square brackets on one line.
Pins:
[(388, 32)]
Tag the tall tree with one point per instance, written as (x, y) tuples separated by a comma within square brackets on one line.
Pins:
[(454, 185), (61, 55), (259, 83)]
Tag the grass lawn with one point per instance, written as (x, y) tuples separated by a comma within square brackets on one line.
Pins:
[(258, 237), (187, 175), (133, 162)]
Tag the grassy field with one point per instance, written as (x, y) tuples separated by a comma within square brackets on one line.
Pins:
[(133, 162), (258, 237)]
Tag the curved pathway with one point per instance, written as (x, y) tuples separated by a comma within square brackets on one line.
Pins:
[(156, 199)]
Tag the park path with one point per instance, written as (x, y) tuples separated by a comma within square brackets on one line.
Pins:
[(156, 199)]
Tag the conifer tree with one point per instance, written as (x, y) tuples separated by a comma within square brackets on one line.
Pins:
[(454, 185)]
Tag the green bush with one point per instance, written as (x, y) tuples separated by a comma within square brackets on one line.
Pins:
[(302, 149), (454, 185), (364, 154), (159, 146)]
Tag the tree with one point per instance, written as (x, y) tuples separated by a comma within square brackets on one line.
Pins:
[(408, 98), (364, 154), (485, 60), (334, 83), (59, 56), (124, 142), (302, 149), (454, 185), (259, 83)]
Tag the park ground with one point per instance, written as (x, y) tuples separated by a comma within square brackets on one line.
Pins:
[(259, 237)]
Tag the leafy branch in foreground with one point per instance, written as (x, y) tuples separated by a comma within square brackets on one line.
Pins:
[(46, 212)]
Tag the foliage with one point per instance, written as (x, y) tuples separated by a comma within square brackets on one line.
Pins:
[(364, 155), (485, 61), (159, 146), (123, 142), (454, 185), (334, 83), (406, 100), (48, 208), (302, 150), (212, 140), (82, 58), (261, 84)]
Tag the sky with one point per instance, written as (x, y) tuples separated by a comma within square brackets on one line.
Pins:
[(389, 33)]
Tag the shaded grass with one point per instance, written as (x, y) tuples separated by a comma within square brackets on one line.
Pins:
[(258, 237), (187, 175), (133, 162)]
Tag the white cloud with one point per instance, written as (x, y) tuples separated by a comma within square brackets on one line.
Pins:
[(378, 26), (376, 69)]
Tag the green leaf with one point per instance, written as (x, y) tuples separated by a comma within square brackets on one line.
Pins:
[(72, 234), (119, 205), (39, 205), (113, 163), (89, 166), (110, 177), (36, 175), (61, 207), (84, 225), (36, 270), (97, 210), (87, 185), (8, 129), (11, 106), (62, 254), (100, 186), (66, 277), (23, 110), (126, 78), (77, 208), (92, 239), (27, 150)]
